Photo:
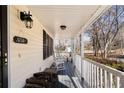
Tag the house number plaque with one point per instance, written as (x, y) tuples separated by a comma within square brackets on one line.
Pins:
[(20, 40)]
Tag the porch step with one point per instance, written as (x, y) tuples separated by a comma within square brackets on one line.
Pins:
[(41, 82), (33, 86), (46, 79), (49, 74)]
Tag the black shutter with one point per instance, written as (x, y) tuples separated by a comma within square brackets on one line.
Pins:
[(44, 44), (47, 45)]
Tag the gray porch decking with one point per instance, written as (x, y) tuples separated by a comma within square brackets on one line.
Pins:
[(67, 77)]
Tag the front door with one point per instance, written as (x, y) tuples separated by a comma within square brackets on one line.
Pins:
[(3, 47)]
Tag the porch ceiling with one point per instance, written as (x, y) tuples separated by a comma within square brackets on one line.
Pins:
[(73, 16)]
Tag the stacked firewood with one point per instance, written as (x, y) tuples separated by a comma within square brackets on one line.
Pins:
[(46, 79)]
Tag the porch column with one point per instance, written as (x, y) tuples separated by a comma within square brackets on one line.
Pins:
[(82, 45), (74, 54), (82, 56), (73, 49)]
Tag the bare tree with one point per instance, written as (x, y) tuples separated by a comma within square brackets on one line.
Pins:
[(104, 30)]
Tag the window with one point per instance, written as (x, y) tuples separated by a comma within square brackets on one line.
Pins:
[(47, 45)]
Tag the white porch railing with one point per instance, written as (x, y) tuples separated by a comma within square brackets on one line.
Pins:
[(97, 75)]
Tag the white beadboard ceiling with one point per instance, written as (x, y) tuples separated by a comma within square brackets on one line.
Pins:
[(73, 16)]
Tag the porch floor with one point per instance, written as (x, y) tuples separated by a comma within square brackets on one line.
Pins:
[(67, 77)]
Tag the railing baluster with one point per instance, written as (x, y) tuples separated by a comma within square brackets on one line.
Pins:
[(101, 78), (117, 82), (89, 76), (97, 80), (110, 80), (88, 73), (95, 76), (83, 70), (105, 78), (92, 76)]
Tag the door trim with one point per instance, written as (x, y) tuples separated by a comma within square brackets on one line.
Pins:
[(8, 43), (4, 46)]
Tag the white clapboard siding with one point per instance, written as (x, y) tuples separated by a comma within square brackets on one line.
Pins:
[(25, 59)]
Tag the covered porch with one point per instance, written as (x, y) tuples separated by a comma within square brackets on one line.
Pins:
[(56, 41)]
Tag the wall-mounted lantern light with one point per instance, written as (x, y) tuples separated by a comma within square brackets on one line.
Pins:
[(26, 17)]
